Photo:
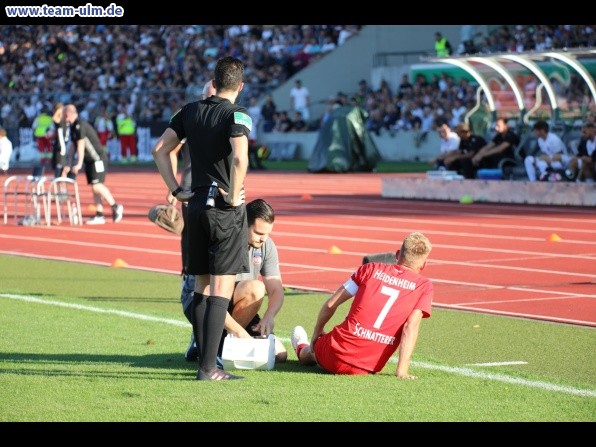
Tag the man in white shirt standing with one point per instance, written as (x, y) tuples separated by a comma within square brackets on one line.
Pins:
[(553, 153), (300, 100), (5, 151)]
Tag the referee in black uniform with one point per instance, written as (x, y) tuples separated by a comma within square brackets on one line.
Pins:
[(216, 131)]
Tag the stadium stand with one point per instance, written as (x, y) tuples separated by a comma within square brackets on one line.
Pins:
[(153, 69)]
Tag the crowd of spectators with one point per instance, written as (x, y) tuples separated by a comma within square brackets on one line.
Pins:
[(411, 106), (418, 104), (150, 70), (519, 38)]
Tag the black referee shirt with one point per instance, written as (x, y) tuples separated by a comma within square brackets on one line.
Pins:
[(82, 130), (208, 126)]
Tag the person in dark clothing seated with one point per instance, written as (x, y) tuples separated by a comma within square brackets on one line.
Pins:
[(501, 146), (469, 145)]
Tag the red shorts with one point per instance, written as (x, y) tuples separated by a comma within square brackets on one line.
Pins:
[(327, 359)]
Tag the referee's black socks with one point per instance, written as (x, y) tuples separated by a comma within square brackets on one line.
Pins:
[(215, 318)]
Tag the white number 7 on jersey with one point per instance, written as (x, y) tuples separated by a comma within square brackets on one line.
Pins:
[(393, 294)]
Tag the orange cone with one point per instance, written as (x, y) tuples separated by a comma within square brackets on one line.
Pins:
[(119, 263), (554, 237), (91, 209), (335, 250), (306, 197)]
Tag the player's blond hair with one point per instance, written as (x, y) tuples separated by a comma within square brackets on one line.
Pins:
[(414, 250)]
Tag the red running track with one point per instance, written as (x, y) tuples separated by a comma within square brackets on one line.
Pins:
[(491, 258)]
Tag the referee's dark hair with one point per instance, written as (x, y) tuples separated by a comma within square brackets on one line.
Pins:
[(259, 209), (229, 72)]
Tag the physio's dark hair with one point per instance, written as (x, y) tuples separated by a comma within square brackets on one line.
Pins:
[(229, 72), (259, 209)]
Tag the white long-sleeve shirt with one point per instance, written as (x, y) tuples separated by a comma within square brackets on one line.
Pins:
[(5, 153), (552, 145)]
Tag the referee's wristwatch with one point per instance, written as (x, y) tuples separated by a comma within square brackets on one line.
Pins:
[(177, 190)]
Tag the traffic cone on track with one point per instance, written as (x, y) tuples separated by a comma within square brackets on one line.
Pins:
[(119, 263)]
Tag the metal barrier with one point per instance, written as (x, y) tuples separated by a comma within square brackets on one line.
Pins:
[(64, 191), (29, 187)]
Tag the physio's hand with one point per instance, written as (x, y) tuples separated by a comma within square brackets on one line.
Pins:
[(264, 327), (243, 334)]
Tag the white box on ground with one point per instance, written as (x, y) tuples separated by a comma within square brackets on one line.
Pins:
[(444, 175), (248, 353)]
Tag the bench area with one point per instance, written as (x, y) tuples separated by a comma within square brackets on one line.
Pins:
[(497, 191)]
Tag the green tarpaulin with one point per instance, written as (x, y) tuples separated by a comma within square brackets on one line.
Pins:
[(344, 145)]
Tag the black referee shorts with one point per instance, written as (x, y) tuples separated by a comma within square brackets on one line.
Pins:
[(217, 237), (96, 170)]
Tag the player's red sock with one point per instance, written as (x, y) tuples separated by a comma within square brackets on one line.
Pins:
[(300, 348)]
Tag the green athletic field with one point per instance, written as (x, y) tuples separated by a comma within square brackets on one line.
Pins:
[(89, 343)]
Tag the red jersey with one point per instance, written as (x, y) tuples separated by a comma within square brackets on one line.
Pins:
[(387, 294)]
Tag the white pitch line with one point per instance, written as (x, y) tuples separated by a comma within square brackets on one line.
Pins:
[(122, 313), (519, 362), (467, 372)]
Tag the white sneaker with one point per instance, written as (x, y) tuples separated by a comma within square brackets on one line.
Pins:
[(118, 212), (299, 337), (96, 220)]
